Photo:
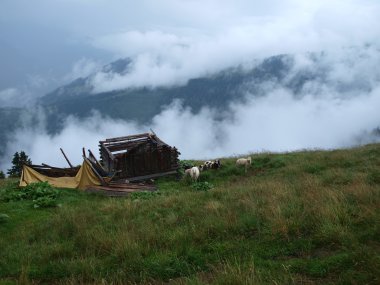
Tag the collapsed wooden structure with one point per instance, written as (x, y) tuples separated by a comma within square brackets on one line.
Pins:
[(138, 157), (55, 171), (127, 164)]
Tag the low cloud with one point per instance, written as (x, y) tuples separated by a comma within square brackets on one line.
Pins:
[(82, 68), (8, 95), (276, 122), (169, 56)]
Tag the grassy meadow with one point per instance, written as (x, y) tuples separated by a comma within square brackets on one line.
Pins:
[(310, 217)]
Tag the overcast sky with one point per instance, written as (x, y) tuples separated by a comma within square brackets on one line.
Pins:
[(45, 43)]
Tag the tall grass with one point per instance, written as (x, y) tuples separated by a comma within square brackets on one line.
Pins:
[(305, 217)]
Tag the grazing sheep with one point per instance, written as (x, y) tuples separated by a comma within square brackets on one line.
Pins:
[(244, 161), (194, 173), (187, 171), (210, 164)]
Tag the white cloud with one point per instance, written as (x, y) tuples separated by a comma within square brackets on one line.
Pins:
[(8, 94), (82, 68), (276, 122), (173, 56)]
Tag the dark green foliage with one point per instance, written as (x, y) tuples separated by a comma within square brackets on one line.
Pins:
[(202, 186), (184, 164), (19, 159), (2, 175), (3, 218), (314, 168), (42, 194), (268, 162), (8, 189)]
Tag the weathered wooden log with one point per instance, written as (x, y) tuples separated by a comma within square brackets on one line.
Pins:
[(68, 161)]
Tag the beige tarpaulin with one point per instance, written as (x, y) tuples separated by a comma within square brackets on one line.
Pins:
[(84, 178)]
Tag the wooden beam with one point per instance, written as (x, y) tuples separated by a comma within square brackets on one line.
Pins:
[(108, 152), (145, 177), (47, 165), (68, 161), (127, 137), (102, 181), (97, 162)]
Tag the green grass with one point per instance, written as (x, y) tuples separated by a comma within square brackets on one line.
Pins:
[(293, 218)]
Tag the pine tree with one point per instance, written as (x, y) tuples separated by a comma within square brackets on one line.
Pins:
[(2, 175), (19, 159)]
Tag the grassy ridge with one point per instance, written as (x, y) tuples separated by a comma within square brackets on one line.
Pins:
[(305, 217)]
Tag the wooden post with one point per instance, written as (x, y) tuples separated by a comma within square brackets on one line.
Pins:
[(102, 181), (91, 155), (68, 161)]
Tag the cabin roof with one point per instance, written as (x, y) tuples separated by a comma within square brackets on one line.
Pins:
[(127, 143)]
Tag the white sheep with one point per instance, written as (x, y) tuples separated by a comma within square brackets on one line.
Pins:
[(193, 173), (244, 161), (187, 171)]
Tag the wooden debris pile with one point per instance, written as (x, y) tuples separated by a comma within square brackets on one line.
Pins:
[(117, 190), (127, 164)]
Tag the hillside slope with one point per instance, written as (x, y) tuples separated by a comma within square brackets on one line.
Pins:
[(301, 218), (143, 103)]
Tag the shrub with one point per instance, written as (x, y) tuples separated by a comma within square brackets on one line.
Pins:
[(45, 202), (3, 218), (184, 164), (41, 193), (202, 186)]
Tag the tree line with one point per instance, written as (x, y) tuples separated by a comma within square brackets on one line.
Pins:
[(19, 159)]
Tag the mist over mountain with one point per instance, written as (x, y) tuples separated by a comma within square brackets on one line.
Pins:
[(287, 101), (311, 74), (141, 104)]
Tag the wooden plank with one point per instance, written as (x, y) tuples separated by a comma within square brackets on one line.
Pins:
[(111, 156), (145, 177), (94, 158), (125, 146), (105, 188), (68, 161), (96, 173), (110, 193), (47, 165), (126, 137), (116, 192), (131, 186)]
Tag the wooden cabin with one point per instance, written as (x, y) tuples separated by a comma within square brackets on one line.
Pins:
[(138, 157)]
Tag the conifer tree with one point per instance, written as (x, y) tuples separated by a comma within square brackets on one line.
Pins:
[(19, 159)]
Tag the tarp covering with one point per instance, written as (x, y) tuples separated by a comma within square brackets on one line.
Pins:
[(84, 178)]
